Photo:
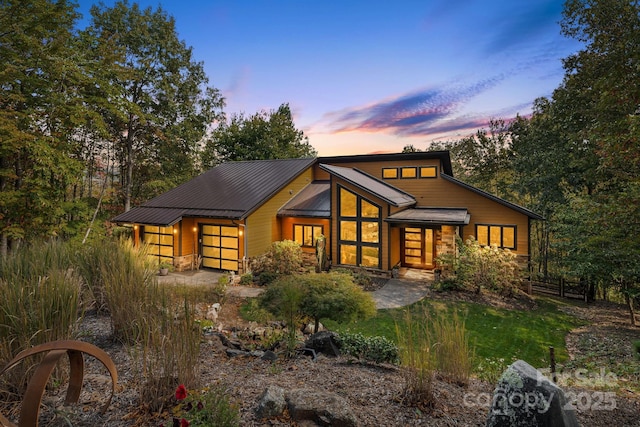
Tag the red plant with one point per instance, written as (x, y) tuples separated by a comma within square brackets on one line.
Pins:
[(181, 392)]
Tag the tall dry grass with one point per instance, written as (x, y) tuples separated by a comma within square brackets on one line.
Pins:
[(417, 362), (39, 302), (158, 326), (428, 344)]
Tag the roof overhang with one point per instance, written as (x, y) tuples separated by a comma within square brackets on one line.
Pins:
[(166, 217), (430, 216)]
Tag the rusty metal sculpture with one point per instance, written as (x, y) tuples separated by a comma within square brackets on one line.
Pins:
[(30, 410)]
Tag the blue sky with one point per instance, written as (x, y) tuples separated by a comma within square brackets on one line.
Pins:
[(373, 76)]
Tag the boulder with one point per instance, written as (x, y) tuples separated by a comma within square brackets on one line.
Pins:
[(325, 342), (212, 312), (310, 327), (272, 403), (269, 356), (231, 352), (323, 408), (524, 397)]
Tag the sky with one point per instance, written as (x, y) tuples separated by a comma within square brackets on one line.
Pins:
[(374, 76)]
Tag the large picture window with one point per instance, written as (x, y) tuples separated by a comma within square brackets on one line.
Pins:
[(306, 235), (502, 236), (359, 228)]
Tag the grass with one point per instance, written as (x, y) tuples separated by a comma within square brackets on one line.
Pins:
[(494, 333)]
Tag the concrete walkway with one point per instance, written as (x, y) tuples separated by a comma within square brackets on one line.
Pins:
[(400, 292), (411, 287)]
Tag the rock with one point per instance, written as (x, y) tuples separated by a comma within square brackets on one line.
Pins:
[(231, 352), (524, 397), (212, 312), (216, 343), (323, 408), (324, 342), (270, 356), (309, 328), (257, 353), (272, 403)]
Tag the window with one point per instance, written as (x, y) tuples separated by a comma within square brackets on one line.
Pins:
[(503, 236), (428, 172), (160, 241), (306, 235), (389, 173), (408, 173), (359, 228)]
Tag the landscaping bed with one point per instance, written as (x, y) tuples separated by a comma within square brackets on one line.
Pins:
[(371, 391)]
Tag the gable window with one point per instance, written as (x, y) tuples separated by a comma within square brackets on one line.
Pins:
[(411, 172), (502, 236), (306, 235), (428, 172), (359, 228), (389, 173)]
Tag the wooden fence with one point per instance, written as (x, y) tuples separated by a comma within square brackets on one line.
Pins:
[(559, 287)]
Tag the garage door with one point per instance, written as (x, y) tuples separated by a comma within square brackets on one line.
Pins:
[(219, 247)]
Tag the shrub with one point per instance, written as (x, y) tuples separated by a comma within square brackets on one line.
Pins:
[(207, 407), (491, 268), (284, 257), (220, 288), (374, 349), (253, 312), (334, 296), (246, 279)]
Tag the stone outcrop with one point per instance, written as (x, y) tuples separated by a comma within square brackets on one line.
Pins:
[(272, 402), (307, 405), (325, 342), (524, 397)]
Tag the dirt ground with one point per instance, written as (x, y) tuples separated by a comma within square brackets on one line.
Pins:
[(372, 391)]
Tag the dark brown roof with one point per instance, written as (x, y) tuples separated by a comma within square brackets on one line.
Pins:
[(314, 201), (231, 190), (436, 216), (390, 194)]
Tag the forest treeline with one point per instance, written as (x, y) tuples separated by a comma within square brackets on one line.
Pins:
[(120, 111)]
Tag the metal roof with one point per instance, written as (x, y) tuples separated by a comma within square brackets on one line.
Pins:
[(313, 201), (483, 193), (390, 194), (439, 216), (230, 190)]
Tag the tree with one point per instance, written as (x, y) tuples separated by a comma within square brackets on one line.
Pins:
[(320, 296), (482, 160), (262, 136), (164, 107), (40, 107)]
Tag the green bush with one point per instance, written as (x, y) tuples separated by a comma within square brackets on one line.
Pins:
[(284, 257), (488, 267), (370, 349), (246, 279)]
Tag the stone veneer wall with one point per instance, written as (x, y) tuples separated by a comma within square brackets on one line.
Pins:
[(446, 240)]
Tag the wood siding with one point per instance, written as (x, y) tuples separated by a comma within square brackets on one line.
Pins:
[(263, 226), (289, 222)]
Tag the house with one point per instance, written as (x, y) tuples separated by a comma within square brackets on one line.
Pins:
[(376, 211)]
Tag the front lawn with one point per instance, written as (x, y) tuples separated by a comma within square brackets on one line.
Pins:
[(496, 334)]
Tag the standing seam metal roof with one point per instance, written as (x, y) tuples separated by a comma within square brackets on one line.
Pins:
[(230, 190), (372, 185)]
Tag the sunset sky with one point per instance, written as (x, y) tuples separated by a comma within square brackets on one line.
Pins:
[(374, 76)]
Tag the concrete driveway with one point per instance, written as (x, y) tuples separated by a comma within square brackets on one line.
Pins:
[(400, 292)]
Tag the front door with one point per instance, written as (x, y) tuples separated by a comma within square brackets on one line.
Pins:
[(418, 247)]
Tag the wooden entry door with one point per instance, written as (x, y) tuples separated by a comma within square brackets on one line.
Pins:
[(418, 247)]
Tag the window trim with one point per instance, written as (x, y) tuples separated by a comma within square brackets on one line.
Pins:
[(313, 245), (415, 170), (435, 169), (502, 227), (390, 177), (359, 220)]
